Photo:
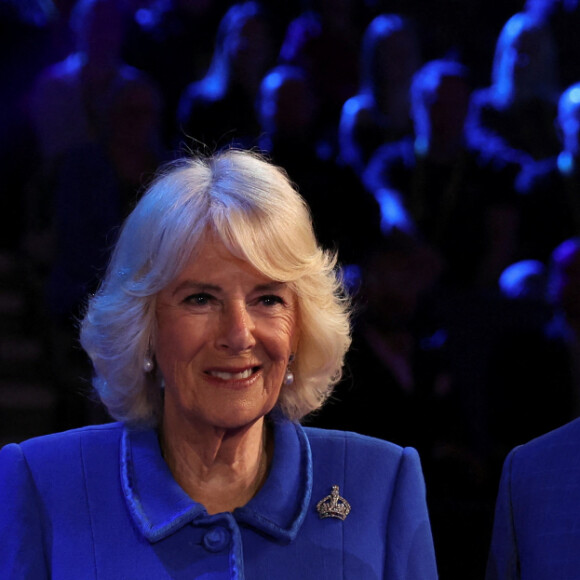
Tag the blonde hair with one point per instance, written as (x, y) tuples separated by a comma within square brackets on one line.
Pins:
[(256, 212)]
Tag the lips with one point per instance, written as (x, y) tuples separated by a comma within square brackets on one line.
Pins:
[(233, 375)]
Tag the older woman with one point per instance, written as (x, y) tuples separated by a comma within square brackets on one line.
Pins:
[(219, 324)]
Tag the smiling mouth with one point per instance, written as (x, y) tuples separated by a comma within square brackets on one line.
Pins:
[(234, 376)]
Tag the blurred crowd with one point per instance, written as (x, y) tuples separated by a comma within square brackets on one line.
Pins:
[(436, 143)]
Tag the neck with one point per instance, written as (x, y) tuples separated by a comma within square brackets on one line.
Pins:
[(220, 468)]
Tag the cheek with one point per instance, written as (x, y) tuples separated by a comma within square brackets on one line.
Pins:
[(289, 332), (280, 337), (177, 344)]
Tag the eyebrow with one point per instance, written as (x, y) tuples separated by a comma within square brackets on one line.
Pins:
[(193, 285)]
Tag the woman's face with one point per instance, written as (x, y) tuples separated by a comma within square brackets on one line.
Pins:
[(225, 336)]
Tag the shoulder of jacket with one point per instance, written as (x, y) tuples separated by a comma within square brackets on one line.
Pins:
[(561, 443), (62, 442), (329, 438)]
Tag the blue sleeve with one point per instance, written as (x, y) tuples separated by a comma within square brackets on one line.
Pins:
[(503, 561), (410, 552), (22, 553)]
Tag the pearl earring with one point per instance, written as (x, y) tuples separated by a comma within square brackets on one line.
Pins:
[(147, 364), (289, 376)]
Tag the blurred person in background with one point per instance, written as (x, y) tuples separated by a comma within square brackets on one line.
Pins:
[(549, 192), (324, 42), (220, 109), (432, 187), (513, 119), (173, 41), (346, 216), (380, 112), (71, 98)]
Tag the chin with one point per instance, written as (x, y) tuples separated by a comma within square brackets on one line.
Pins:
[(238, 419), (236, 424)]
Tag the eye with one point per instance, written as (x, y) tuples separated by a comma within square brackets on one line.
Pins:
[(271, 300), (200, 299)]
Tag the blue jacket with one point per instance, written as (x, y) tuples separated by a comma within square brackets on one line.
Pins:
[(100, 502), (536, 534)]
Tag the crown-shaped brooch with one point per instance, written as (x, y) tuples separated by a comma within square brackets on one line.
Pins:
[(333, 506)]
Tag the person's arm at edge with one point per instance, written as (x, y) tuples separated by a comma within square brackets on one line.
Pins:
[(503, 561), (22, 550)]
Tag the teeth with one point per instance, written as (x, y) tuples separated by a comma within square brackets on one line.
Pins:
[(231, 376)]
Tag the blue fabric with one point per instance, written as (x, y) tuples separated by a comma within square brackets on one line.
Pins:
[(100, 502), (536, 534)]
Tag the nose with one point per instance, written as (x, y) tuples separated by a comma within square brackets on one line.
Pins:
[(236, 332)]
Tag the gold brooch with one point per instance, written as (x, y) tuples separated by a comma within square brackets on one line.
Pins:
[(333, 506)]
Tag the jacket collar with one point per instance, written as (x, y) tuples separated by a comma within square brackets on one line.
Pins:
[(159, 506)]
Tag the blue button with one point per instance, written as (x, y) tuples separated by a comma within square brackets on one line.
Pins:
[(216, 539)]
